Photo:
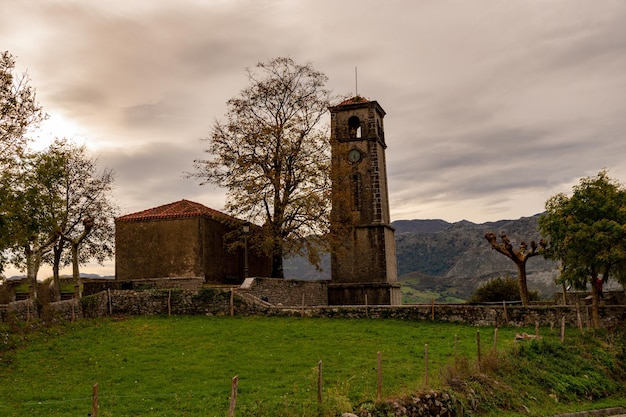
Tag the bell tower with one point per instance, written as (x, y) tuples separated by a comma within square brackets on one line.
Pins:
[(363, 254)]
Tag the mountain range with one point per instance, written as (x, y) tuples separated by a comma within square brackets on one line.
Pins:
[(447, 262)]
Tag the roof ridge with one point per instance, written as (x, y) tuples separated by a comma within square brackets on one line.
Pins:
[(178, 209)]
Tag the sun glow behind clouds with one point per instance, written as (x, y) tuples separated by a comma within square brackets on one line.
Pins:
[(56, 126)]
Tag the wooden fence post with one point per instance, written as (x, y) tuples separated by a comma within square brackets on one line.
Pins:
[(432, 313), (169, 303), (562, 329), (233, 396), (232, 302), (478, 347), (109, 302), (495, 340), (426, 365), (506, 315), (94, 401), (319, 382), (380, 378), (455, 351)]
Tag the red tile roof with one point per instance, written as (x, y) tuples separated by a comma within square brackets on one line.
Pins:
[(179, 209), (353, 100)]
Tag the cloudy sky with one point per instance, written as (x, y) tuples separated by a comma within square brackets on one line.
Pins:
[(492, 106)]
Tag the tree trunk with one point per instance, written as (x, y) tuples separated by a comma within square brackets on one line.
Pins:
[(56, 279), (523, 286), (33, 260), (75, 268), (277, 261), (595, 303)]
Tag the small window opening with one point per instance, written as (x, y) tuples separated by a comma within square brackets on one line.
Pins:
[(354, 127)]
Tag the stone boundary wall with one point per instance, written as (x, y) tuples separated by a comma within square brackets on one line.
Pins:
[(23, 310), (287, 292), (582, 297), (474, 315), (217, 301), (94, 286), (66, 310), (207, 302)]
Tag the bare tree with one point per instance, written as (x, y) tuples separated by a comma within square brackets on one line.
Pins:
[(273, 158), (519, 256)]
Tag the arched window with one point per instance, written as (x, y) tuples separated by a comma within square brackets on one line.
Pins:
[(354, 127)]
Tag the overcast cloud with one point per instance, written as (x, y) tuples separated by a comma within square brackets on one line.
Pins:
[(492, 106)]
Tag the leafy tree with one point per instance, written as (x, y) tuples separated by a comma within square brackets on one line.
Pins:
[(587, 233), (519, 256), (273, 158), (85, 211), (28, 215), (19, 110), (60, 201)]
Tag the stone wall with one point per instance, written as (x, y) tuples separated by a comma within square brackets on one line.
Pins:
[(23, 310), (207, 301), (186, 283), (287, 292), (217, 301), (583, 297), (519, 316), (66, 310), (26, 310)]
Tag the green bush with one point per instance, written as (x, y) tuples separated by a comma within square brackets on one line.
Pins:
[(500, 289)]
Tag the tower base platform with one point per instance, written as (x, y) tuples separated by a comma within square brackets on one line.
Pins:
[(366, 293)]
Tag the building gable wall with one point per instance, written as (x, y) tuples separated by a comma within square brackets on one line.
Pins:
[(158, 248), (182, 247)]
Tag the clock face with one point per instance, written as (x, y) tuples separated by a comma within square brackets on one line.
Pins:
[(354, 155)]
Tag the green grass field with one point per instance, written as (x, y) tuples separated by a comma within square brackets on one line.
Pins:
[(183, 366)]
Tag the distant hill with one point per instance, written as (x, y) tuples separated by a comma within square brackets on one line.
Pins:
[(448, 261), (88, 276), (453, 262), (420, 226)]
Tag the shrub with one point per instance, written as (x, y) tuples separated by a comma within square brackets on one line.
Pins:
[(500, 289)]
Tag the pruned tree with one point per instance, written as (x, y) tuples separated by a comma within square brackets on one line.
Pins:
[(587, 234), (272, 156), (518, 256)]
